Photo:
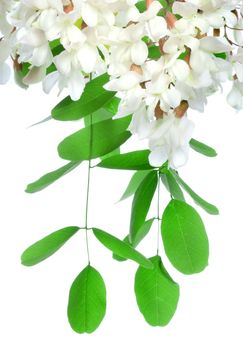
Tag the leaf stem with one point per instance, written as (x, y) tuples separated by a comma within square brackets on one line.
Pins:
[(86, 214), (158, 212), (88, 191)]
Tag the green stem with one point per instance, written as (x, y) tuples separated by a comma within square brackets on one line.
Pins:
[(86, 215), (88, 191), (158, 213)]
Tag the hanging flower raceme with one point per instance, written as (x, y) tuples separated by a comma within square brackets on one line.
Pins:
[(165, 44), (129, 67)]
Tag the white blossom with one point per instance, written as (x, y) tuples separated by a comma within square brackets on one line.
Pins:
[(160, 62)]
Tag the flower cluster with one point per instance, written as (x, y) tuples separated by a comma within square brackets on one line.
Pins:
[(162, 57)]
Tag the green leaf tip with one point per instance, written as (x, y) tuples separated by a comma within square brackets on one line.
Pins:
[(105, 136), (141, 234), (202, 148), (92, 99), (48, 179), (121, 248), (141, 203), (134, 183), (47, 246), (208, 207), (137, 160)]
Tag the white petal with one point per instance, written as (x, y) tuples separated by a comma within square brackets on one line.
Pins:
[(211, 44), (4, 50), (151, 12), (4, 73), (139, 52), (235, 99), (76, 85), (198, 59), (239, 71), (35, 75), (42, 56), (181, 70), (184, 9), (157, 28), (191, 42), (140, 123), (88, 58), (158, 156), (179, 157), (63, 63), (124, 83), (238, 34), (89, 14), (171, 45), (50, 81), (33, 37), (172, 97), (47, 19)]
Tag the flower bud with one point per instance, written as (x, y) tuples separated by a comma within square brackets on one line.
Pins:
[(170, 20), (148, 3), (158, 112), (162, 41), (181, 110), (68, 6), (135, 68)]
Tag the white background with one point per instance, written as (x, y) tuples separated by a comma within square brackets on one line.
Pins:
[(33, 300)]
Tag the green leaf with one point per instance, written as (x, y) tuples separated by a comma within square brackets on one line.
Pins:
[(87, 301), (121, 248), (51, 177), (47, 246), (142, 233), (154, 52), (47, 119), (156, 293), (208, 207), (92, 99), (105, 112), (137, 160), (141, 204), (184, 236), (98, 116), (56, 50), (134, 183), (112, 105), (141, 6), (172, 186), (106, 136), (202, 148), (112, 153), (222, 55)]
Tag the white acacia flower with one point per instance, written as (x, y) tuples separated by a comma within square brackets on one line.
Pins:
[(95, 12), (142, 122), (214, 69), (170, 141), (162, 91), (155, 26), (34, 47), (129, 48), (182, 35), (158, 65)]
